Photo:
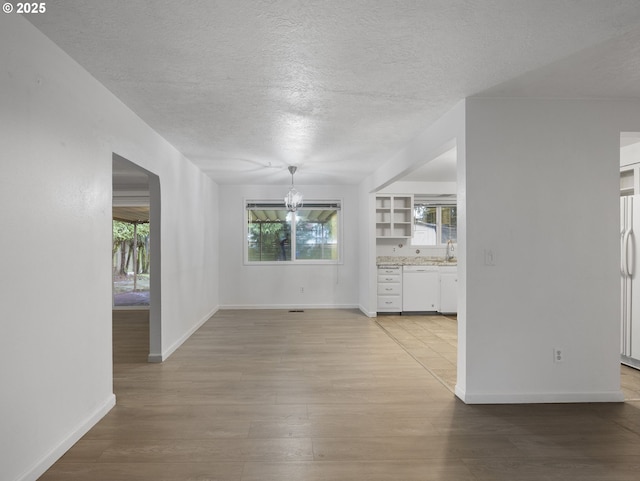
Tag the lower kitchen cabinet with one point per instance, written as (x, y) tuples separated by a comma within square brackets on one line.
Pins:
[(418, 288), (389, 289), (448, 290)]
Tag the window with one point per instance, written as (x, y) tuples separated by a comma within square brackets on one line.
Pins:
[(309, 235), (435, 221)]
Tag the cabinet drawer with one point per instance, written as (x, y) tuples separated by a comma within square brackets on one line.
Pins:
[(389, 270), (389, 278), (393, 303), (389, 288)]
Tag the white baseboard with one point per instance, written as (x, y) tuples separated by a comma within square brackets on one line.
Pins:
[(286, 306), (56, 453), (367, 312), (155, 357), (459, 392), (539, 398), (161, 357)]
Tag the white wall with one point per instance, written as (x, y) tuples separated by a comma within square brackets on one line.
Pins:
[(278, 286), (534, 178), (367, 273), (413, 187), (59, 130), (403, 248), (540, 175), (190, 240)]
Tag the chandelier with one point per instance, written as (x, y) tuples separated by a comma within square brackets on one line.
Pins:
[(293, 199)]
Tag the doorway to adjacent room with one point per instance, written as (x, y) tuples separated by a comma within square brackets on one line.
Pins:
[(135, 252)]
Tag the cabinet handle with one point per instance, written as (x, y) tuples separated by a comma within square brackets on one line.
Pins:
[(388, 302), (388, 289)]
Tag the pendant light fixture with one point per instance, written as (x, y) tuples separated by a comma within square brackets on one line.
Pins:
[(293, 199)]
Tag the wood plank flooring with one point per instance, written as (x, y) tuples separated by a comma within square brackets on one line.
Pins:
[(332, 395), (433, 340)]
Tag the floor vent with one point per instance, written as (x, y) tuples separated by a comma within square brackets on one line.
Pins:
[(296, 310)]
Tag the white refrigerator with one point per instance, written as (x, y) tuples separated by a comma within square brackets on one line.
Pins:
[(630, 271)]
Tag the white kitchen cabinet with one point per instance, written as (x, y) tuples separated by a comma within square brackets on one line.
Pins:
[(418, 288), (389, 289), (448, 290), (394, 216)]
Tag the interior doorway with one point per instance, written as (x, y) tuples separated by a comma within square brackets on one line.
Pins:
[(136, 251)]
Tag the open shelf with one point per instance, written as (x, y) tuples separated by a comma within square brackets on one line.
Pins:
[(394, 216)]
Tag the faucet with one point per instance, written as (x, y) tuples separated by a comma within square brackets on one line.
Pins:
[(449, 255)]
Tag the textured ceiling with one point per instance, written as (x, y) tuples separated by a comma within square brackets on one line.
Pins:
[(245, 87)]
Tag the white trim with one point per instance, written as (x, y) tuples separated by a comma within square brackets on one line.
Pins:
[(58, 451), (367, 312), (630, 361), (459, 392), (539, 398), (287, 306), (155, 357), (130, 308), (329, 262), (439, 242), (303, 262)]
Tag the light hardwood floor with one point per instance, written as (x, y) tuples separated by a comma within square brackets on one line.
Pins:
[(433, 340), (332, 395)]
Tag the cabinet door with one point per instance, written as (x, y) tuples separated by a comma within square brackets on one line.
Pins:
[(389, 289), (448, 292), (393, 270), (389, 304)]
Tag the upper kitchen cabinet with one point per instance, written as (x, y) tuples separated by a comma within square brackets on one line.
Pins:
[(394, 216)]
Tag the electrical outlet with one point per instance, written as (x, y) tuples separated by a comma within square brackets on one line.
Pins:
[(558, 355), (302, 290)]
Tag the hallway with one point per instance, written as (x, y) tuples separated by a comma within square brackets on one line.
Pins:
[(327, 394)]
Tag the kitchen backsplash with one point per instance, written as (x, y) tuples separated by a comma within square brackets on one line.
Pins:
[(401, 248)]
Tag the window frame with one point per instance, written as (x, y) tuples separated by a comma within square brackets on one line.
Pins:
[(278, 204), (439, 204)]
